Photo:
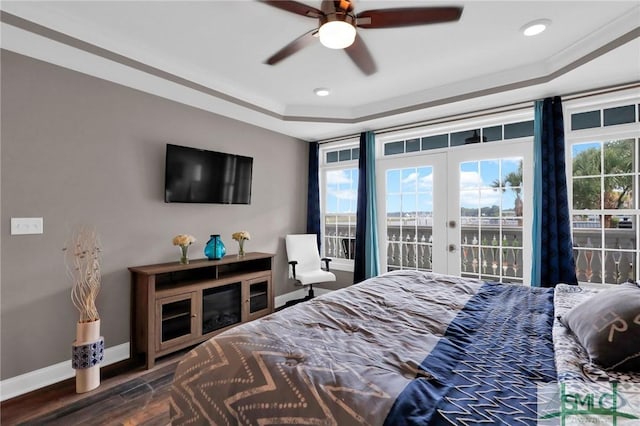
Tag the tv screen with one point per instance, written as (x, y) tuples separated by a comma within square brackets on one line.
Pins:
[(199, 176)]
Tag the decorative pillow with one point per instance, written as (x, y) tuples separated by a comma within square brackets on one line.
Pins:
[(608, 327)]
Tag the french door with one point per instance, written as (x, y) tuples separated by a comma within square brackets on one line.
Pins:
[(465, 211)]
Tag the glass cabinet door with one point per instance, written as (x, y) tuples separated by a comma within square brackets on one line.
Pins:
[(258, 297), (175, 320)]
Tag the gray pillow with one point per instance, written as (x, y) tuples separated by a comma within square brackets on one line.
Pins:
[(608, 326)]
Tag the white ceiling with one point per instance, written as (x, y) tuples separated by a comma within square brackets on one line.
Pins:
[(210, 54)]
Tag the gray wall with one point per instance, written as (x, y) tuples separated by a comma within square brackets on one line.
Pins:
[(80, 150)]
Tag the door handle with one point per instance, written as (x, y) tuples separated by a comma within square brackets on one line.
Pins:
[(452, 224), (452, 248)]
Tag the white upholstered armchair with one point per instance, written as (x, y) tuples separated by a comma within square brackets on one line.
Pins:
[(305, 265)]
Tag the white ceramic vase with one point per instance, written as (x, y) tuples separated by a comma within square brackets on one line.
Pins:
[(87, 333)]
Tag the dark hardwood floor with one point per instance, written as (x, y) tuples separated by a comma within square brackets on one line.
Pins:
[(127, 395)]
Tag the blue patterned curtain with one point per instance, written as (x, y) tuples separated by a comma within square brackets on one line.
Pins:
[(367, 262), (313, 192), (553, 261), (537, 193)]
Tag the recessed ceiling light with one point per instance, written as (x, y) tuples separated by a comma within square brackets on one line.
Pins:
[(535, 27), (321, 91)]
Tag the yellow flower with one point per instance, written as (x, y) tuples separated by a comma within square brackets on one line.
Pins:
[(242, 235), (183, 240)]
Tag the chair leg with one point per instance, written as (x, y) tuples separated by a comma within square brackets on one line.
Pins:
[(311, 295)]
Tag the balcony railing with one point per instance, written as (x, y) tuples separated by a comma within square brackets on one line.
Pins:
[(493, 251)]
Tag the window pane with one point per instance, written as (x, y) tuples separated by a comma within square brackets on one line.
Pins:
[(332, 157), (585, 120), (586, 193), (354, 191), (490, 174), (341, 187), (413, 145), (409, 180), (435, 142), (511, 172), (586, 159), (587, 230), (393, 181), (618, 192), (355, 153), (619, 157), (409, 206), (469, 175), (393, 148), (344, 155), (465, 138), (492, 133), (393, 205), (425, 179), (619, 115), (469, 202), (425, 207), (512, 203), (518, 130)]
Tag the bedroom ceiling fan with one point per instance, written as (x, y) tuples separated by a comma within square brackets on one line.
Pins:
[(337, 23)]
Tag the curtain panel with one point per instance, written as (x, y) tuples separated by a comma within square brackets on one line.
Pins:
[(553, 261), (313, 192), (366, 260)]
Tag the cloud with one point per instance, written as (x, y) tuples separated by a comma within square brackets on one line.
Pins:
[(346, 194), (335, 177), (424, 182), (470, 180)]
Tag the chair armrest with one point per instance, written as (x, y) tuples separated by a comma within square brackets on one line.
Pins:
[(293, 264), (326, 261)]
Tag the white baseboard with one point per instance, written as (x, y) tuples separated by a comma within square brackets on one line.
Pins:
[(19, 385), (298, 294), (24, 383)]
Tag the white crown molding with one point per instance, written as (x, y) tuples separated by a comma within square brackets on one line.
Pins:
[(108, 59)]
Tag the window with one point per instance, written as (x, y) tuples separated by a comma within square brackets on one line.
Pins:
[(458, 205), (338, 203), (501, 132), (491, 219), (603, 169), (409, 202)]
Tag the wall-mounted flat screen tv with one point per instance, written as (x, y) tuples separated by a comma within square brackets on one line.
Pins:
[(200, 176)]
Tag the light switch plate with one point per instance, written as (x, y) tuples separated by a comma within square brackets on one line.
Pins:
[(26, 225)]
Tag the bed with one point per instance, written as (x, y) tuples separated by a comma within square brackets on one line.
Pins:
[(405, 348)]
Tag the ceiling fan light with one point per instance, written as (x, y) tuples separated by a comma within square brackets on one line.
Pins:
[(337, 34)]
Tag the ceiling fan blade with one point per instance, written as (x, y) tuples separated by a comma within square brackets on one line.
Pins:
[(359, 53), (389, 18), (303, 41), (294, 7)]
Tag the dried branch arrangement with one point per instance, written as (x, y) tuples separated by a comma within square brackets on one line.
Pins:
[(82, 259)]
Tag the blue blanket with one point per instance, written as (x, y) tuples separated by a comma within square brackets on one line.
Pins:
[(487, 366)]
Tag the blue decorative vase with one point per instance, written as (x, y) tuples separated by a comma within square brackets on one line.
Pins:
[(214, 250)]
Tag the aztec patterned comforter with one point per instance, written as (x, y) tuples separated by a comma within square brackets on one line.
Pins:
[(406, 348), (578, 376)]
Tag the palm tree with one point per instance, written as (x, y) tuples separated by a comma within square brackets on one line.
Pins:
[(514, 180), (618, 184)]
